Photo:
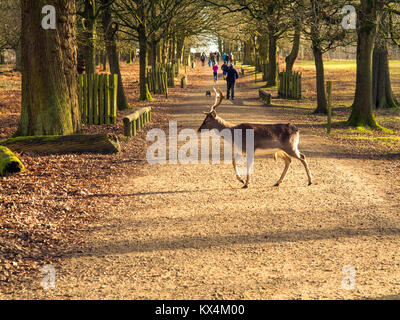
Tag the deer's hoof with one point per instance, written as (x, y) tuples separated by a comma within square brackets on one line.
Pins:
[(310, 183), (245, 186), (276, 184)]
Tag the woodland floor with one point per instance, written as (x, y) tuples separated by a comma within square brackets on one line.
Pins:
[(118, 228)]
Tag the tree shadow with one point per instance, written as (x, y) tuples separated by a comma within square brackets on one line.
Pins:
[(207, 242)]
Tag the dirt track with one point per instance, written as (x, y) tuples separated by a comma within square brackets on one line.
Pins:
[(190, 232)]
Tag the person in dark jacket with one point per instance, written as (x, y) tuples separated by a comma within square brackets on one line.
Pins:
[(231, 76)]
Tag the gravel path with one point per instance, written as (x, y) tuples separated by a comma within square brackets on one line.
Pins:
[(190, 232)]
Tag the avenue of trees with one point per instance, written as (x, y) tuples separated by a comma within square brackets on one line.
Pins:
[(93, 32), (264, 23)]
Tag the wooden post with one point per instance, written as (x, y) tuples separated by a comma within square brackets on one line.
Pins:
[(107, 99), (102, 115), (329, 92), (90, 98), (127, 128), (96, 99), (134, 128), (80, 95), (86, 98), (113, 93)]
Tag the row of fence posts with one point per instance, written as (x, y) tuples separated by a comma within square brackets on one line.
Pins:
[(98, 92), (289, 85), (157, 80), (161, 77), (98, 98)]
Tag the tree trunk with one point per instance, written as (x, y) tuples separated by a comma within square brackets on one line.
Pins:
[(263, 52), (179, 49), (18, 58), (153, 55), (80, 143), (383, 96), (271, 78), (322, 105), (113, 58), (144, 90), (164, 51), (90, 26), (291, 58), (49, 79), (362, 110)]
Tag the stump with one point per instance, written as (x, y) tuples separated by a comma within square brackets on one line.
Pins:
[(265, 96), (9, 163), (184, 82), (79, 143)]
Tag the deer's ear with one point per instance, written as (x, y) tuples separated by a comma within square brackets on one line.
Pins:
[(205, 112)]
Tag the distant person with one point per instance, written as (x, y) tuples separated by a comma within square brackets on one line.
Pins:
[(227, 58), (224, 68), (218, 57), (215, 71), (224, 57), (203, 59), (231, 58), (231, 76)]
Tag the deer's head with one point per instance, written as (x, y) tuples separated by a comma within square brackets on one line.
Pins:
[(210, 121)]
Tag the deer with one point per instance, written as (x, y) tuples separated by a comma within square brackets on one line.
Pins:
[(280, 140)]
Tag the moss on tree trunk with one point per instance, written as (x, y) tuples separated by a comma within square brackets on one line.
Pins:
[(49, 72), (96, 143)]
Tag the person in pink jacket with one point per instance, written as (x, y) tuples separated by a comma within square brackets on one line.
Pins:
[(215, 70)]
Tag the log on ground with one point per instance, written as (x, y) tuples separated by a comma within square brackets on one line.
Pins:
[(9, 163), (78, 143)]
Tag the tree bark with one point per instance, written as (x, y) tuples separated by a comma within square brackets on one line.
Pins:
[(144, 90), (272, 60), (112, 53), (362, 110), (90, 25), (291, 58), (383, 96), (322, 105), (49, 64), (263, 52), (18, 58), (80, 143)]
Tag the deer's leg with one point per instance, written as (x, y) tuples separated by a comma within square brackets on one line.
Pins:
[(303, 160), (236, 170), (296, 154), (288, 161), (249, 169)]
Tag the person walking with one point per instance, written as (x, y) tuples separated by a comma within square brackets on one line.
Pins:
[(224, 67), (231, 76), (218, 56), (227, 58), (215, 71), (203, 58)]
